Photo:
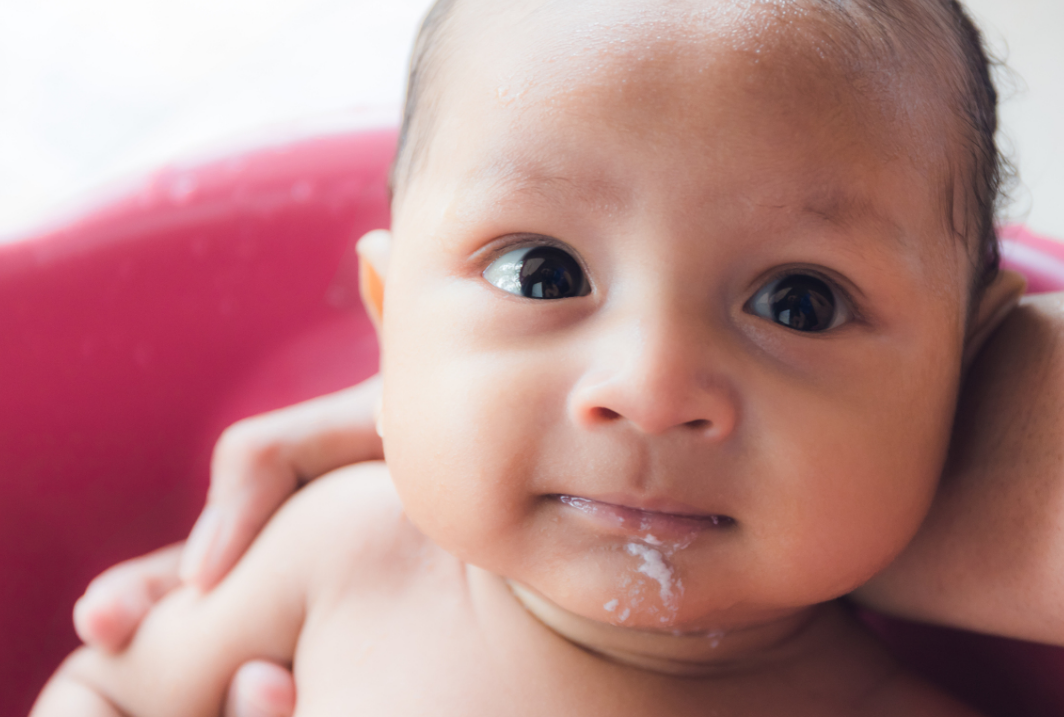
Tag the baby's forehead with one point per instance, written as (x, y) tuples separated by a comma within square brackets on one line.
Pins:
[(532, 56), (744, 24), (663, 74), (535, 52), (562, 33)]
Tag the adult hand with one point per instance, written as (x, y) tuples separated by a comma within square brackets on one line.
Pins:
[(257, 464), (260, 461), (114, 604)]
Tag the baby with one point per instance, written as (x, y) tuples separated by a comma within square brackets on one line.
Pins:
[(673, 322)]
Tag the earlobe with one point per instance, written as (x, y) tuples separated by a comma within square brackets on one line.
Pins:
[(1000, 298), (373, 249)]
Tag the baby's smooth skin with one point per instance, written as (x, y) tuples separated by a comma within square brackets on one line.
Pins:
[(639, 498)]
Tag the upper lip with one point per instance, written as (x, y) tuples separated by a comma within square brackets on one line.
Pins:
[(649, 505)]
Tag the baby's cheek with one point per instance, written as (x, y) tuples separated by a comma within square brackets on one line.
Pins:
[(845, 488), (460, 453)]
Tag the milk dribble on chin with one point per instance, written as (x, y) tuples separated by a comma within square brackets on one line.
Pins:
[(652, 573), (655, 567)]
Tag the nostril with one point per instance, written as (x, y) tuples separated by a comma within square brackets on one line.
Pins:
[(604, 414), (700, 424)]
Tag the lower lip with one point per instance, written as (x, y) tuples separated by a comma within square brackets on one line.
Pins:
[(645, 523)]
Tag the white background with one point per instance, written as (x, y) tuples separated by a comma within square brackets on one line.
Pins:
[(95, 90)]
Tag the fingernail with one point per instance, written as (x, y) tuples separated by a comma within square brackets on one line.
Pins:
[(201, 543)]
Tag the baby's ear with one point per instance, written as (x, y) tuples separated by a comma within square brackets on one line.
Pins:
[(373, 249), (998, 300)]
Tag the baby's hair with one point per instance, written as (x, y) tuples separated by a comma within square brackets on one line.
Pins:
[(941, 34), (990, 169), (874, 34), (424, 64)]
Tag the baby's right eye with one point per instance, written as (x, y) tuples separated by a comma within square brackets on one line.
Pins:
[(801, 302), (538, 272)]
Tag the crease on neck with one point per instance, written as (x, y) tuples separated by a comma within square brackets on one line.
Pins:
[(703, 653)]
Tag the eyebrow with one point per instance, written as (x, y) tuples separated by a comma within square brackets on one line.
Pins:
[(844, 208), (547, 183), (836, 205)]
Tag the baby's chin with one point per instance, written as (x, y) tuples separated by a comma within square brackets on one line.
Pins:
[(678, 585), (641, 588), (633, 610), (632, 586)]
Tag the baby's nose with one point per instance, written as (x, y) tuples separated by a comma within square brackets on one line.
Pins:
[(658, 379)]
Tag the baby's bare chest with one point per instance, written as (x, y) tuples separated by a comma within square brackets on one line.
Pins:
[(387, 660), (428, 650)]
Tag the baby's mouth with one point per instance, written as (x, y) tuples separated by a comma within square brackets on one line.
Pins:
[(650, 525)]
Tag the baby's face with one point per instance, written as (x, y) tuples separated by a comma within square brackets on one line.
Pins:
[(671, 334)]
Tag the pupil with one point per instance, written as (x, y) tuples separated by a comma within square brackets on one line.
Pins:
[(803, 303), (549, 273)]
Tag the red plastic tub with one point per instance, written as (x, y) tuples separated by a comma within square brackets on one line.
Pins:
[(133, 333)]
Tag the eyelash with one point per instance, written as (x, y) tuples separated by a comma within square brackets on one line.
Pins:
[(504, 245), (825, 277), (499, 249)]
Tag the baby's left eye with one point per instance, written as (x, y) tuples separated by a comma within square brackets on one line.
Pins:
[(801, 302), (538, 272)]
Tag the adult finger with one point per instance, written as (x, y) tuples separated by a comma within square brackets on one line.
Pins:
[(113, 605), (261, 689), (259, 462)]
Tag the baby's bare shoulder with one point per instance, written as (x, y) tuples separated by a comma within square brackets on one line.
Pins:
[(355, 497), (351, 529)]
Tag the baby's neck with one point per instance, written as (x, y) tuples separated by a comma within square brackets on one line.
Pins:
[(708, 652)]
